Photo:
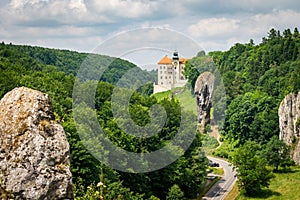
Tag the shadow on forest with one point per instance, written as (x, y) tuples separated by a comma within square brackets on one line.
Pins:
[(265, 193), (287, 170)]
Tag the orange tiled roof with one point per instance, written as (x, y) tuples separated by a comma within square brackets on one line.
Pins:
[(183, 60), (165, 60)]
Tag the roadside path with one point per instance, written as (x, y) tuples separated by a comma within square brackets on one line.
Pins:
[(225, 184)]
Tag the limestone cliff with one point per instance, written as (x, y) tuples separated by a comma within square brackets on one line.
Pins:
[(34, 152), (204, 87), (289, 113)]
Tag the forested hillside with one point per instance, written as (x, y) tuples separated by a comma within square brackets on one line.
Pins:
[(256, 77), (53, 72)]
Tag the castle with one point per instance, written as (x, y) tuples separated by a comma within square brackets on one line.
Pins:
[(170, 73)]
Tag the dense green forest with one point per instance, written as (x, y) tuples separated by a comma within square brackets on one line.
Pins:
[(54, 72), (256, 78)]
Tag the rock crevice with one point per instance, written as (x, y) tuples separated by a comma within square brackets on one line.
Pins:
[(34, 152), (203, 90), (289, 118)]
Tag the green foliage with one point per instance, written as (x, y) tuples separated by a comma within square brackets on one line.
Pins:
[(225, 151), (205, 63), (52, 71), (153, 198), (251, 116), (298, 122), (69, 62), (277, 153), (146, 89), (188, 171), (283, 186), (209, 143), (268, 66), (256, 78), (104, 190), (197, 66), (252, 170), (175, 193)]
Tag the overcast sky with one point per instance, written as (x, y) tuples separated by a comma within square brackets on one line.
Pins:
[(83, 25)]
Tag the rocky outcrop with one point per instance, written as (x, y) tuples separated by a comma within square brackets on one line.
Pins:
[(204, 87), (289, 123), (34, 152)]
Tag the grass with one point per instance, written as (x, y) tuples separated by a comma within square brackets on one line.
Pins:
[(216, 170), (233, 193), (285, 186), (162, 95), (184, 96), (187, 101)]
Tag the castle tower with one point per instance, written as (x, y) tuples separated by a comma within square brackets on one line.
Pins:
[(170, 73)]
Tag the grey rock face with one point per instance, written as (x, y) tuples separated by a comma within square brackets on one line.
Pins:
[(289, 113), (203, 90), (34, 152)]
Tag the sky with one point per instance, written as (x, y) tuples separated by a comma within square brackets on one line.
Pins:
[(143, 29)]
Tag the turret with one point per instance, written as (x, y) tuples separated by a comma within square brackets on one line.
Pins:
[(175, 56)]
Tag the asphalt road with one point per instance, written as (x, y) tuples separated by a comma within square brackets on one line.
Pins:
[(224, 185)]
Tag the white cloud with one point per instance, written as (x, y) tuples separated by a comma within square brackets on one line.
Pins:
[(35, 12), (124, 8), (277, 18), (228, 31), (76, 11), (147, 45), (214, 27)]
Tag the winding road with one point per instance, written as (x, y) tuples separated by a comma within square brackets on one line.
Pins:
[(225, 184)]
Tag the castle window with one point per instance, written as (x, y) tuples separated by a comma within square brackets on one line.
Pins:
[(162, 83), (166, 77), (160, 67), (161, 77), (170, 77)]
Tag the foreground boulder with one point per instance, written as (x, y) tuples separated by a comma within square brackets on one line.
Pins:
[(203, 91), (34, 152), (289, 123)]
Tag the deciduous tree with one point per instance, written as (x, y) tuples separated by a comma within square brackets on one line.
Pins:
[(252, 170)]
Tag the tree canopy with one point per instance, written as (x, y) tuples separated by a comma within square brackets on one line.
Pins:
[(53, 71), (252, 170)]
